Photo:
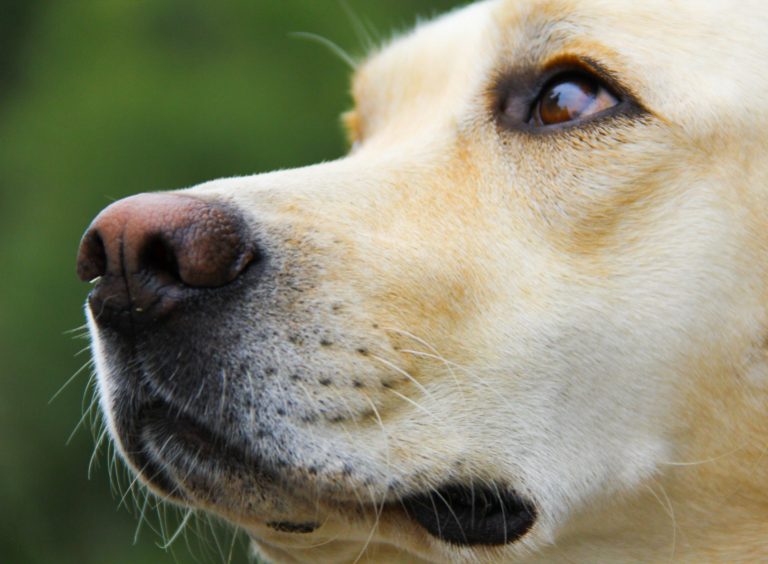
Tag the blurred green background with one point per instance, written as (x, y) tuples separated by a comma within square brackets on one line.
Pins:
[(98, 100)]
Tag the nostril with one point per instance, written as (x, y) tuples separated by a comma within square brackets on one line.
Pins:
[(154, 252), (158, 257), (92, 257)]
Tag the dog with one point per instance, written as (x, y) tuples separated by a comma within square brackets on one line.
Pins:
[(525, 319)]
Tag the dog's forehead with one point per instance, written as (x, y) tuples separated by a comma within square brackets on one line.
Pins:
[(691, 62), (420, 78)]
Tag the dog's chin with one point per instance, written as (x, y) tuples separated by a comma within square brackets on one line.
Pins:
[(177, 457), (186, 462)]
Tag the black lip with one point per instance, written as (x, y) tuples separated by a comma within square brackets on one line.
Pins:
[(467, 516), (291, 527), (164, 445)]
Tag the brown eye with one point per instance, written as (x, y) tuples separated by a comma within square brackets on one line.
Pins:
[(571, 97)]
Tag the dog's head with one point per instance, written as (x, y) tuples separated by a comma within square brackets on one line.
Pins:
[(521, 294)]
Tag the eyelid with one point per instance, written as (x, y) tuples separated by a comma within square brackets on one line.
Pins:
[(585, 66), (515, 91)]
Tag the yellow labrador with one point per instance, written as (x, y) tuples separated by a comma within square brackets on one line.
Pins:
[(524, 320)]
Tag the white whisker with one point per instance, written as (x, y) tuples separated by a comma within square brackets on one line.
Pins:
[(182, 525), (330, 45), (88, 364), (412, 402), (365, 33), (404, 373), (705, 460), (666, 504)]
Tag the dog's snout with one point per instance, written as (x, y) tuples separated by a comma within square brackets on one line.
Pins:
[(153, 251)]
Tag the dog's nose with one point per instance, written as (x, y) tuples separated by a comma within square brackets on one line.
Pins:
[(152, 252)]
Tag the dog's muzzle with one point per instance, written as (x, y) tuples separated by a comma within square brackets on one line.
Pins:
[(169, 271)]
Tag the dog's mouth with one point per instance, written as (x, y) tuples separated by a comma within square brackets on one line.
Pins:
[(189, 463), (472, 515), (185, 460), (180, 457)]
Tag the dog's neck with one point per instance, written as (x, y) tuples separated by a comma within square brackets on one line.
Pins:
[(709, 504)]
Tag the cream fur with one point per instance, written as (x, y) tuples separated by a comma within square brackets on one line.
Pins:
[(582, 315)]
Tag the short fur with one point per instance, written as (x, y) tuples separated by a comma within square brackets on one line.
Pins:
[(580, 314)]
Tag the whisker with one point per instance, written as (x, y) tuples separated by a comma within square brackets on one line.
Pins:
[(142, 517), (414, 403), (705, 460), (129, 490), (89, 363), (181, 527), (82, 420), (83, 327), (435, 354), (231, 553), (365, 33), (406, 374), (666, 504), (448, 505), (85, 349), (374, 527), (448, 364), (96, 449), (383, 430), (330, 45), (216, 540), (432, 356), (501, 504)]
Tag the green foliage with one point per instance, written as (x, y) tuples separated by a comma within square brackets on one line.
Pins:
[(98, 100)]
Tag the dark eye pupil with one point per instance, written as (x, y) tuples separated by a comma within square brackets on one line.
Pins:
[(566, 100)]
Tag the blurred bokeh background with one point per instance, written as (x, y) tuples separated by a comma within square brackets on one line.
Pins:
[(100, 99)]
